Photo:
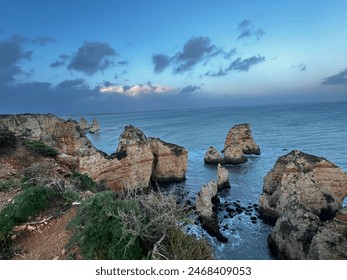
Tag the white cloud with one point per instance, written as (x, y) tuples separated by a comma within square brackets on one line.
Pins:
[(136, 90)]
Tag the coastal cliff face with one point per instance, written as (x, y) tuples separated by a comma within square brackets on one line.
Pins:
[(304, 194), (137, 162)]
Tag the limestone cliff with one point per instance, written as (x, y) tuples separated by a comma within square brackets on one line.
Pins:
[(137, 162)]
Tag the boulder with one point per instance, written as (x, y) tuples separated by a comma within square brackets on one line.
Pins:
[(95, 127), (223, 178), (304, 194), (205, 201), (241, 136), (212, 156)]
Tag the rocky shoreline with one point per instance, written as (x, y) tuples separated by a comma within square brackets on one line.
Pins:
[(302, 195)]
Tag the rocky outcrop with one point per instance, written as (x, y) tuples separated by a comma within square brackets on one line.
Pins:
[(212, 156), (86, 128), (241, 136), (205, 201), (223, 178), (313, 181), (95, 127), (84, 125), (238, 142), (303, 194), (138, 162)]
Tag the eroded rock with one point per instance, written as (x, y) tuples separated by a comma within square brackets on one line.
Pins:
[(223, 178), (212, 156)]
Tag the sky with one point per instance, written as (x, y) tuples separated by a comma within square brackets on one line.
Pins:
[(108, 56)]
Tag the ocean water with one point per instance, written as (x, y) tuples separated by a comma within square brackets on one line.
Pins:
[(318, 129)]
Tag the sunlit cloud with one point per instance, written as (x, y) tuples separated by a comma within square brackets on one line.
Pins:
[(136, 90)]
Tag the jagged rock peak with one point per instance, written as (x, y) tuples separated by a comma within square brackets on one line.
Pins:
[(223, 178), (130, 136), (84, 125), (95, 126)]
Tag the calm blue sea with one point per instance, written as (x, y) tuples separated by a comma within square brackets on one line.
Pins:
[(319, 129)]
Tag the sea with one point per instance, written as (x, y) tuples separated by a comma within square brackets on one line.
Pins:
[(317, 129)]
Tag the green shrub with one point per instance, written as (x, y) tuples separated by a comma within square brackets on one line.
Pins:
[(83, 182), (178, 245), (41, 148), (71, 196), (99, 231), (8, 184), (27, 204)]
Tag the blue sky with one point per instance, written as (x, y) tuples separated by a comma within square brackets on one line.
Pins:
[(122, 55)]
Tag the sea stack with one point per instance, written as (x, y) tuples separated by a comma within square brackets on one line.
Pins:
[(303, 194), (223, 178), (212, 156)]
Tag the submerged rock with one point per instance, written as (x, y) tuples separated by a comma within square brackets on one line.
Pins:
[(303, 194)]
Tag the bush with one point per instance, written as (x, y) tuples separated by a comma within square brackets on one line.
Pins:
[(41, 148), (99, 231), (8, 184), (178, 245), (84, 182), (134, 227), (7, 138), (27, 204)]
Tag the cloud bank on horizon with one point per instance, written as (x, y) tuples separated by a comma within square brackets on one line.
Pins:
[(221, 54)]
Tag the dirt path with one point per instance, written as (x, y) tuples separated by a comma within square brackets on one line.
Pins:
[(47, 241)]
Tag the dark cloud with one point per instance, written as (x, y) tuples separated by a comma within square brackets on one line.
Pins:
[(243, 65), (229, 54), (189, 89), (338, 79), (238, 65), (248, 30), (19, 38), (92, 57), (63, 59), (301, 67), (160, 61), (123, 63), (195, 50), (11, 54), (77, 83), (43, 40)]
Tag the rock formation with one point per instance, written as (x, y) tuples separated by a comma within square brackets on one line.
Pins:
[(238, 142), (303, 194), (95, 127), (223, 178), (137, 162), (240, 136), (212, 156), (84, 125), (205, 201)]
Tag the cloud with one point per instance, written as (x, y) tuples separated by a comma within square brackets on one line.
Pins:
[(248, 30), (135, 90), (11, 54), (160, 61), (92, 57), (123, 63), (63, 59), (189, 89), (194, 51), (338, 79), (44, 40), (301, 67), (243, 65), (238, 65), (68, 84)]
